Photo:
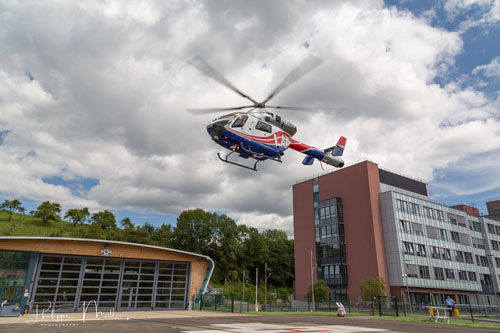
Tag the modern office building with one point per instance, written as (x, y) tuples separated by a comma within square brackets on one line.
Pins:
[(493, 209), (64, 274), (362, 221)]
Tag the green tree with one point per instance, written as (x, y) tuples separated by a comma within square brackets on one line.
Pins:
[(280, 257), (321, 292), (126, 223), (77, 215), (48, 211), (105, 220), (371, 287), (11, 206)]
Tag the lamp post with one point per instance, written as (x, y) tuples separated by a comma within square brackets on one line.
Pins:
[(266, 276), (256, 283), (312, 282), (405, 276)]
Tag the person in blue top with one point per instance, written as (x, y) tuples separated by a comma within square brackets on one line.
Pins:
[(451, 304)]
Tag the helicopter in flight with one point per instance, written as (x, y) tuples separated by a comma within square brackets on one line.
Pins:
[(258, 133)]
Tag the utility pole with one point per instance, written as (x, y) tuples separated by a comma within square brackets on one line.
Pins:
[(265, 281), (312, 282), (256, 282)]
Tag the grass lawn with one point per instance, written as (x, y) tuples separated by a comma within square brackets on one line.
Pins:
[(26, 225), (453, 322), (421, 320), (326, 314)]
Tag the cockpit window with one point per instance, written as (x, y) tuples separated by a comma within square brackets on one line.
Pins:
[(264, 127), (240, 121)]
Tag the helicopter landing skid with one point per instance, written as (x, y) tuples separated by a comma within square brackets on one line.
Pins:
[(234, 163)]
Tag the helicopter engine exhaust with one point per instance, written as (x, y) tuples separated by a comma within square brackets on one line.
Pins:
[(333, 160)]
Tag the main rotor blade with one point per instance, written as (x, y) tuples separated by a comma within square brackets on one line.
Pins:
[(302, 69), (209, 71), (197, 111), (306, 108)]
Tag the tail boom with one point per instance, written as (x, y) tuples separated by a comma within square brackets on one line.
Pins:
[(314, 153)]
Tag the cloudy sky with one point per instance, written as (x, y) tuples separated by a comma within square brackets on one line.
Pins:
[(93, 97)]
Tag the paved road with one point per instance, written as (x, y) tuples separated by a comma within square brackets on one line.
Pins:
[(233, 323)]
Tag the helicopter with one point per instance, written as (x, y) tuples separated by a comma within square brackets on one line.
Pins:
[(258, 133)]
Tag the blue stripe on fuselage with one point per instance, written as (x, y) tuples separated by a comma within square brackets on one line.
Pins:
[(228, 139)]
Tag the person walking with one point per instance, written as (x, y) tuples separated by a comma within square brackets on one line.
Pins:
[(450, 303)]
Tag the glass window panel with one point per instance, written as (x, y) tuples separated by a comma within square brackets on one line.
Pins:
[(132, 263), (113, 262), (94, 261), (51, 259), (109, 283), (90, 283), (50, 267), (49, 274), (70, 275), (92, 276), (108, 290), (111, 276)]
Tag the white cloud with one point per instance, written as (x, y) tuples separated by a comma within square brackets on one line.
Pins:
[(111, 83), (490, 70)]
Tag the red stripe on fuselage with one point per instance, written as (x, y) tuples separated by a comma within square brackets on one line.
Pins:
[(299, 146)]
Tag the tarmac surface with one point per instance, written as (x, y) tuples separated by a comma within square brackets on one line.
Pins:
[(212, 322)]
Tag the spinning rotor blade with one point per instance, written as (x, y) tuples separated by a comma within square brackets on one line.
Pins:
[(209, 71), (305, 108), (214, 110), (302, 69)]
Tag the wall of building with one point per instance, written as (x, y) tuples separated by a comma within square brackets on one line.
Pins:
[(199, 265), (358, 186), (493, 207)]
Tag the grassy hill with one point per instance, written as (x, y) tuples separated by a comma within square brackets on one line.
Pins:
[(26, 225)]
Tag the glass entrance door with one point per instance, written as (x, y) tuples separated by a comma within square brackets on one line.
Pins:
[(137, 285)]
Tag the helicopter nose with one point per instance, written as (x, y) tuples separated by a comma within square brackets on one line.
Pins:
[(217, 128)]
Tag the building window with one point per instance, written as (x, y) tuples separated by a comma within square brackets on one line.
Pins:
[(439, 273), (428, 212), (408, 248), (414, 208), (468, 257), (405, 226), (481, 261), (452, 220), (476, 226), (472, 276), (439, 215), (450, 274), (424, 272), (435, 252), (491, 228), (442, 234), (446, 254), (494, 245), (497, 229), (497, 262), (421, 250), (455, 237), (459, 256), (478, 243), (462, 275)]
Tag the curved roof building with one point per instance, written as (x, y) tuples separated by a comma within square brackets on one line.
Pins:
[(67, 274)]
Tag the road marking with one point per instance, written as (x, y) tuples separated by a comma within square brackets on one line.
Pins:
[(273, 328)]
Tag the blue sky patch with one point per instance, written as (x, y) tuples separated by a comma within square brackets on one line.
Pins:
[(78, 186), (3, 134)]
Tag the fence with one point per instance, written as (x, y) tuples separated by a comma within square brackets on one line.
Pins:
[(378, 306)]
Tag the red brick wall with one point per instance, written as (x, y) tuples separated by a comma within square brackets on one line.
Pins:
[(359, 188)]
